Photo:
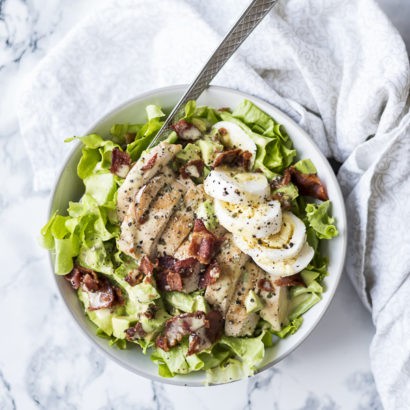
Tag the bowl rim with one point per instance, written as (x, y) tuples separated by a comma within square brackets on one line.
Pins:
[(343, 246)]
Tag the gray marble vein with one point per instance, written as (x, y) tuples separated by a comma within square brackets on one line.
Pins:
[(46, 362)]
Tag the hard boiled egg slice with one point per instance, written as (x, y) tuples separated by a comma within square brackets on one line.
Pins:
[(287, 267), (255, 219), (233, 136), (285, 244), (237, 188)]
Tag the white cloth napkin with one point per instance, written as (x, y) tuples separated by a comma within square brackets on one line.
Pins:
[(336, 66)]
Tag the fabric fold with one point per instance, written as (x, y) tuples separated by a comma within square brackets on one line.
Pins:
[(337, 67)]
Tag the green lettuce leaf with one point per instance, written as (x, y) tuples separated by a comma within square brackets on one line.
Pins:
[(306, 166), (290, 328), (274, 148), (320, 220), (229, 371), (176, 360)]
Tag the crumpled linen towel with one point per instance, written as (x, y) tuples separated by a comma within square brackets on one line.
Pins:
[(337, 67)]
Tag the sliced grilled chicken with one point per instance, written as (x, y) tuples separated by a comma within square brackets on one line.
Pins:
[(183, 251), (232, 262), (182, 222), (238, 321), (161, 210), (139, 209), (275, 310), (144, 169)]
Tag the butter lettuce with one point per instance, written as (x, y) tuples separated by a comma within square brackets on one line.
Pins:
[(320, 220), (305, 166), (275, 149)]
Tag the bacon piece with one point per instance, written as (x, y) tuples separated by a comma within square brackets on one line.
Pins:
[(194, 168), (203, 330), (174, 274), (151, 311), (309, 184), (266, 285), (179, 326), (134, 277), (145, 269), (120, 163), (186, 130), (234, 157), (150, 163), (204, 244), (101, 292), (293, 280), (135, 332), (211, 275), (74, 277)]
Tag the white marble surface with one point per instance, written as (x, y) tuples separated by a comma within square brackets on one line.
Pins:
[(45, 362)]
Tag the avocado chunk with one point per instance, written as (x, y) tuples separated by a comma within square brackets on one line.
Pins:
[(206, 212), (209, 150), (189, 153), (119, 325), (253, 303), (102, 318)]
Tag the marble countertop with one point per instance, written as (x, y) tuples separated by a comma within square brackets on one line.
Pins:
[(47, 363)]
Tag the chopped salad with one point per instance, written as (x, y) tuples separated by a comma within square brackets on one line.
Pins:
[(203, 251)]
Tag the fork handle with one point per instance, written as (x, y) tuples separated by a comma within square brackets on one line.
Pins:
[(250, 18)]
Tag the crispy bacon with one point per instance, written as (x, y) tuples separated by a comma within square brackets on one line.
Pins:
[(74, 277), (204, 244), (203, 330), (194, 168), (293, 280), (135, 332), (266, 285), (151, 311), (211, 275), (186, 130), (134, 277), (101, 292), (179, 326), (120, 163), (234, 157), (150, 163), (145, 269), (284, 200), (308, 184), (174, 274)]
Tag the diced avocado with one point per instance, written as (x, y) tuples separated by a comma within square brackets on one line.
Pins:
[(209, 149), (101, 317), (172, 138), (119, 325), (154, 325), (189, 153), (200, 123), (201, 304), (290, 191), (180, 301), (143, 293), (253, 302), (206, 212)]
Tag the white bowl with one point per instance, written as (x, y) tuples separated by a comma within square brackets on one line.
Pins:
[(69, 188)]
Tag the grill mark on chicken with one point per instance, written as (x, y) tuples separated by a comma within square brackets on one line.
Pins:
[(182, 222), (231, 261), (238, 322)]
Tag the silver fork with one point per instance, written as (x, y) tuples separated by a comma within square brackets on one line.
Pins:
[(250, 18)]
